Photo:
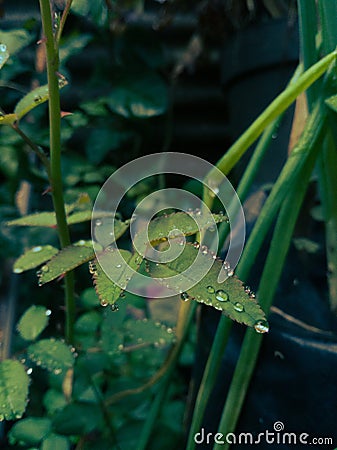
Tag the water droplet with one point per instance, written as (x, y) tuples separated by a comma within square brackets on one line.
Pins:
[(45, 269), (57, 371), (37, 99), (37, 249), (261, 326), (18, 270), (204, 250), (221, 296), (196, 245), (210, 289), (48, 312), (114, 307), (239, 307), (81, 242), (120, 347), (3, 47), (104, 303), (92, 268), (230, 272), (184, 296), (98, 222), (119, 266), (29, 371), (217, 306)]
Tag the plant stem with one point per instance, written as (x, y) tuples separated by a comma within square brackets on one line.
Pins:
[(280, 104), (308, 29), (271, 274), (63, 21), (163, 388), (328, 188), (311, 134), (55, 156)]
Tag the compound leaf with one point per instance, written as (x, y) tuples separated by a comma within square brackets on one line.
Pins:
[(14, 384), (230, 296)]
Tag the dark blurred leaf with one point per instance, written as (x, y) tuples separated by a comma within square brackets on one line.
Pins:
[(29, 431), (138, 94)]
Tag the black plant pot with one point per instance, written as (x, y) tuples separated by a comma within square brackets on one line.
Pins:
[(294, 384)]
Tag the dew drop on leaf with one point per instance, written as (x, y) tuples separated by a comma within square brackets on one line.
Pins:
[(104, 303), (37, 249), (238, 307), (114, 307), (98, 222), (261, 326), (45, 269), (18, 270), (184, 296), (221, 295), (210, 289)]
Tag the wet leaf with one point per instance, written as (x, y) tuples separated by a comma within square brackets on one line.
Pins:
[(177, 224), (33, 322), (121, 265), (148, 332), (66, 260), (14, 384), (29, 431), (230, 296), (108, 229), (51, 354), (34, 257)]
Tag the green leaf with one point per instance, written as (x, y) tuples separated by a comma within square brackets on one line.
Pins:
[(121, 264), (66, 260), (103, 140), (15, 39), (78, 419), (88, 322), (13, 389), (51, 354), (138, 94), (4, 55), (48, 219), (148, 332), (108, 229), (34, 99), (33, 322), (7, 119), (53, 401), (55, 442), (88, 299), (230, 296), (34, 257), (29, 431), (44, 219), (175, 225)]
